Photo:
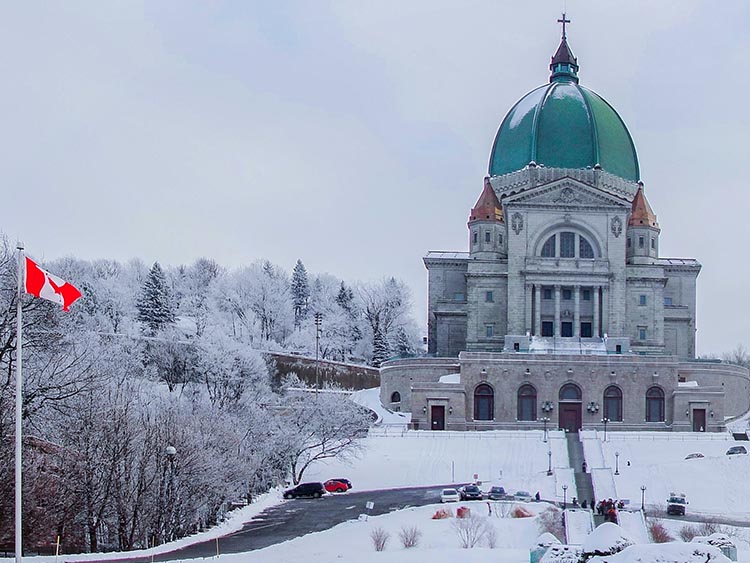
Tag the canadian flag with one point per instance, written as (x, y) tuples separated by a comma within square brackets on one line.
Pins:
[(41, 283)]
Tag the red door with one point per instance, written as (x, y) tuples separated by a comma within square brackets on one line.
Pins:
[(437, 415), (570, 417)]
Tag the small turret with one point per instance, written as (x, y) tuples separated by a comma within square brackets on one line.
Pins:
[(487, 225), (643, 231)]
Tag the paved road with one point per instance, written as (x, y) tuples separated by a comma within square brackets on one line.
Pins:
[(294, 518)]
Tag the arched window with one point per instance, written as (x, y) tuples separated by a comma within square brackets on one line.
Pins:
[(570, 392), (526, 403), (613, 403), (655, 405), (484, 402), (584, 248), (572, 245), (395, 397), (548, 250), (567, 245)]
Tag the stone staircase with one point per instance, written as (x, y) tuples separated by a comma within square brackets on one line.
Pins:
[(584, 485)]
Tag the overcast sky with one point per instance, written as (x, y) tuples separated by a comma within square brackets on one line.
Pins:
[(354, 135)]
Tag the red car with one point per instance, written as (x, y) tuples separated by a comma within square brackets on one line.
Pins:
[(335, 486)]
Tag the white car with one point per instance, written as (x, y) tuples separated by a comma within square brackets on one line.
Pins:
[(524, 496), (450, 495)]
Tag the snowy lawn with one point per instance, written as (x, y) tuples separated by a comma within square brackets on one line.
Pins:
[(715, 484), (516, 460)]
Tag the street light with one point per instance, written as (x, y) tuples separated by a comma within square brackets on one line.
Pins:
[(605, 420), (545, 420), (318, 322), (565, 496), (643, 498), (549, 467), (617, 463), (171, 453)]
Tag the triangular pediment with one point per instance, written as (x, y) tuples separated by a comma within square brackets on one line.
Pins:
[(566, 193)]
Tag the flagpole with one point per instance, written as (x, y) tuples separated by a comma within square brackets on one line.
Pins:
[(19, 406)]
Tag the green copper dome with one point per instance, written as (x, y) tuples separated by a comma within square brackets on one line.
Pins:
[(564, 125)]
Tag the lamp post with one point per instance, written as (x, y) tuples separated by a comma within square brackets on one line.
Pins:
[(643, 498), (549, 466), (318, 322), (565, 496), (545, 420), (171, 453), (605, 420), (617, 463)]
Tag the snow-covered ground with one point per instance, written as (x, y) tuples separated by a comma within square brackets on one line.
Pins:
[(714, 484), (395, 457)]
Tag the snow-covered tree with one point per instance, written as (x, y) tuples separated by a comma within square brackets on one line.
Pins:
[(300, 292), (155, 306), (315, 426)]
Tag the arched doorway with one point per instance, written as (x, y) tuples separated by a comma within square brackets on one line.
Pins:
[(570, 407)]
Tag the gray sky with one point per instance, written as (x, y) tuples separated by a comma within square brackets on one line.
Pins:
[(354, 135)]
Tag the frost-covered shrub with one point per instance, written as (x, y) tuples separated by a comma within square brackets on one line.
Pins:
[(409, 536), (470, 530), (490, 536), (379, 538), (688, 532), (551, 521), (658, 532)]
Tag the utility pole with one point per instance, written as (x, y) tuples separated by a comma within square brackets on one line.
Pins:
[(318, 322)]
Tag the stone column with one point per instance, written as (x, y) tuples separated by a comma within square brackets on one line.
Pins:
[(557, 310), (595, 291), (577, 311), (605, 309), (538, 310), (529, 294)]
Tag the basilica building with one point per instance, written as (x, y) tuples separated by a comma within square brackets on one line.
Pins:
[(562, 313)]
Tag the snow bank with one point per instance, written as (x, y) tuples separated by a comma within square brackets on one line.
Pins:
[(665, 553)]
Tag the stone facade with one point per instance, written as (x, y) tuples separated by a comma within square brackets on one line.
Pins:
[(562, 312)]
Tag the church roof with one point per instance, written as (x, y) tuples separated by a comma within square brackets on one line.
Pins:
[(641, 213), (564, 125), (487, 207)]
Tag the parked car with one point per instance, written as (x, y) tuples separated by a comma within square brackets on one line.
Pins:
[(735, 450), (342, 480), (524, 496), (696, 455), (496, 493), (314, 490), (335, 486), (471, 492), (450, 495), (676, 504)]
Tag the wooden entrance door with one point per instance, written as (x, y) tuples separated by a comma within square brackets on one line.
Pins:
[(699, 420), (570, 416), (437, 415)]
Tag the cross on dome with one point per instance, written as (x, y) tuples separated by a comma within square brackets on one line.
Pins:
[(563, 21)]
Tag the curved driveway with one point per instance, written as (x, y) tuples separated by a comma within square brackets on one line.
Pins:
[(294, 518)]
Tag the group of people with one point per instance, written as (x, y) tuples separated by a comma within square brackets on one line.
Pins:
[(608, 508)]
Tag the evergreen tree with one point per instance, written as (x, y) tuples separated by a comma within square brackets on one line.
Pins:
[(380, 350), (300, 293), (155, 306), (345, 298), (403, 345)]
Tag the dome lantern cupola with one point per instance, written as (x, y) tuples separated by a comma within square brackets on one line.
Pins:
[(564, 65)]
